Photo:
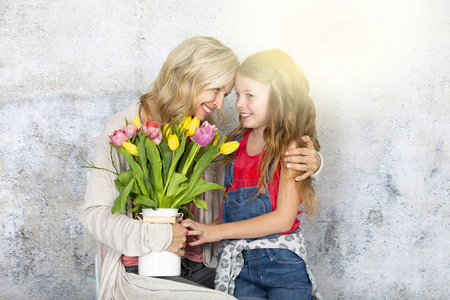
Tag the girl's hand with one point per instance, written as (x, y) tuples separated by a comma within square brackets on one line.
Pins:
[(303, 159), (205, 233), (178, 240)]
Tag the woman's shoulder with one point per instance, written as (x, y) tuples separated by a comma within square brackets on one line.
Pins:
[(117, 121)]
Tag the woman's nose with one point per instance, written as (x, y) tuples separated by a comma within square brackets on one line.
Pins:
[(219, 100)]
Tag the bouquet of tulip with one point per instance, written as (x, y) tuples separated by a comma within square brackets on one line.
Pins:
[(166, 163)]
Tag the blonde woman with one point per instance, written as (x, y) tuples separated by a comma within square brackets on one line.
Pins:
[(196, 77)]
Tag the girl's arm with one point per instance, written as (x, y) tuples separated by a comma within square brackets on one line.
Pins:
[(280, 220)]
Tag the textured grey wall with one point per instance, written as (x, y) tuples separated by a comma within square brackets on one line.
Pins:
[(380, 78)]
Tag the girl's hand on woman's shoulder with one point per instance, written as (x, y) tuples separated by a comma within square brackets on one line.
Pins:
[(305, 159)]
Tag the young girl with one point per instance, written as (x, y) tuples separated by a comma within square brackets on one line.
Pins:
[(264, 255)]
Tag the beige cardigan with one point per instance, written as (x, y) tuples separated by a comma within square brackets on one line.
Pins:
[(119, 234)]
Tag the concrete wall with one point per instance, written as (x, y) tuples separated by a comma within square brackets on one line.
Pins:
[(380, 79)]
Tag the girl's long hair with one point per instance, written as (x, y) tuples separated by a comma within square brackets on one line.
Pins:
[(292, 115), (197, 64)]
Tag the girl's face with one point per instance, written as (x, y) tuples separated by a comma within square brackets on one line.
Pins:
[(252, 102), (211, 99)]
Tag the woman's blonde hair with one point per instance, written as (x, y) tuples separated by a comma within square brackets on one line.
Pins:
[(197, 64), (292, 114)]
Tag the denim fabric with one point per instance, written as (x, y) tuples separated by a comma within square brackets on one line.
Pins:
[(272, 274), (241, 204), (269, 273)]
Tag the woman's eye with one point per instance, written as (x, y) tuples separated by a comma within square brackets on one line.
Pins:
[(237, 95), (217, 90)]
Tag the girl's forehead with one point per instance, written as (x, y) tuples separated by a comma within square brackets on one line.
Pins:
[(243, 82)]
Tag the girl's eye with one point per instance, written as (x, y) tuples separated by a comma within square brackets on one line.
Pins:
[(249, 95)]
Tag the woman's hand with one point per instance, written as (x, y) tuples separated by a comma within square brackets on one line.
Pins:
[(178, 240), (303, 159), (205, 233)]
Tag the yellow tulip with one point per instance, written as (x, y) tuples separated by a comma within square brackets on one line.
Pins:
[(167, 131), (137, 122), (229, 147), (193, 126), (185, 123), (189, 125), (130, 148), (173, 142), (216, 139)]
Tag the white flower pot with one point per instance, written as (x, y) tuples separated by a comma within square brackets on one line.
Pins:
[(164, 263)]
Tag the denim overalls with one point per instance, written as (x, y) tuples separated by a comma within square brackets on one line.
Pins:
[(268, 270)]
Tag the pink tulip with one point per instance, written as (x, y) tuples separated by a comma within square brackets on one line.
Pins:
[(130, 130), (153, 131), (204, 134), (118, 137)]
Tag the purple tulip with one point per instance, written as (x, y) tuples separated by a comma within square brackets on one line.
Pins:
[(130, 130), (153, 131), (204, 134), (118, 137)]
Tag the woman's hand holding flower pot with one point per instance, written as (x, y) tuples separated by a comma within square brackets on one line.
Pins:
[(178, 240)]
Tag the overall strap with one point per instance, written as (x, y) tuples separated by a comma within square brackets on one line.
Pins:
[(228, 181)]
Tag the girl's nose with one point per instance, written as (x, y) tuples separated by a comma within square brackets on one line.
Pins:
[(239, 102)]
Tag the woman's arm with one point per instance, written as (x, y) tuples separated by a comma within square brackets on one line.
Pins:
[(120, 232), (304, 159), (280, 220)]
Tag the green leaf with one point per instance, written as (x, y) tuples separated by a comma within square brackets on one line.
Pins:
[(187, 213), (175, 160), (203, 186), (143, 201), (185, 156), (142, 153), (125, 177), (116, 206), (186, 201), (155, 174), (148, 184), (200, 203), (125, 195), (201, 165), (139, 174), (167, 159), (123, 198), (119, 185), (136, 208), (174, 184), (135, 189)]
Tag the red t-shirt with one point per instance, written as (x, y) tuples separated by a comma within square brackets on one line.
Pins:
[(246, 174)]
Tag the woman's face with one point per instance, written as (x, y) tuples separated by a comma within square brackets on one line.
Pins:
[(211, 99)]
